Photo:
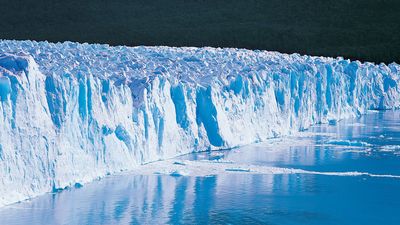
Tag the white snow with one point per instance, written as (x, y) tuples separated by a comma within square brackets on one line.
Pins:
[(70, 113)]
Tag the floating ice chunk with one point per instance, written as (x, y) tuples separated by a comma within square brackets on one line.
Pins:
[(202, 168), (237, 170), (217, 157), (348, 143), (219, 161), (356, 151), (178, 173), (389, 148)]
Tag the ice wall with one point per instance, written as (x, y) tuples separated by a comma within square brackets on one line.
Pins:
[(71, 112)]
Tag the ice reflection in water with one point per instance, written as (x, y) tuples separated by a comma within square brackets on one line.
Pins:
[(241, 198)]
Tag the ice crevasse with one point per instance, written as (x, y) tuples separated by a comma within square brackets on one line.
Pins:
[(70, 113)]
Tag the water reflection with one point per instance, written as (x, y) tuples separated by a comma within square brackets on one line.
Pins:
[(223, 199), (246, 199)]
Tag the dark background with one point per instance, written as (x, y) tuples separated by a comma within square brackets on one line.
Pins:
[(368, 30)]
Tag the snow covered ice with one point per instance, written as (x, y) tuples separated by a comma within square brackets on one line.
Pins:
[(71, 113)]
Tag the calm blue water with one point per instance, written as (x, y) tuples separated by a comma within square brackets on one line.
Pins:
[(248, 199)]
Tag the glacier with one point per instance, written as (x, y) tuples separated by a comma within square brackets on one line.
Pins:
[(71, 113)]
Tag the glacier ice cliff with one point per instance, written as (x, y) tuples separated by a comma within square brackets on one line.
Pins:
[(72, 112)]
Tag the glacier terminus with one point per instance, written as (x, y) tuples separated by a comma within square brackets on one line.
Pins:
[(71, 113)]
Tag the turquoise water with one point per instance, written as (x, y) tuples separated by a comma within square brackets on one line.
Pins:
[(368, 144)]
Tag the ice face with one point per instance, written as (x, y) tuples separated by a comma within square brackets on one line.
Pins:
[(72, 112)]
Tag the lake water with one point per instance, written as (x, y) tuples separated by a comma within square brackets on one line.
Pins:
[(369, 144)]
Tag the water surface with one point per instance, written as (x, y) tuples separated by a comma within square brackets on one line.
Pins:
[(368, 144)]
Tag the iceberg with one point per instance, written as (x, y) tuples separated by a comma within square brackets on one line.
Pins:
[(71, 113)]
